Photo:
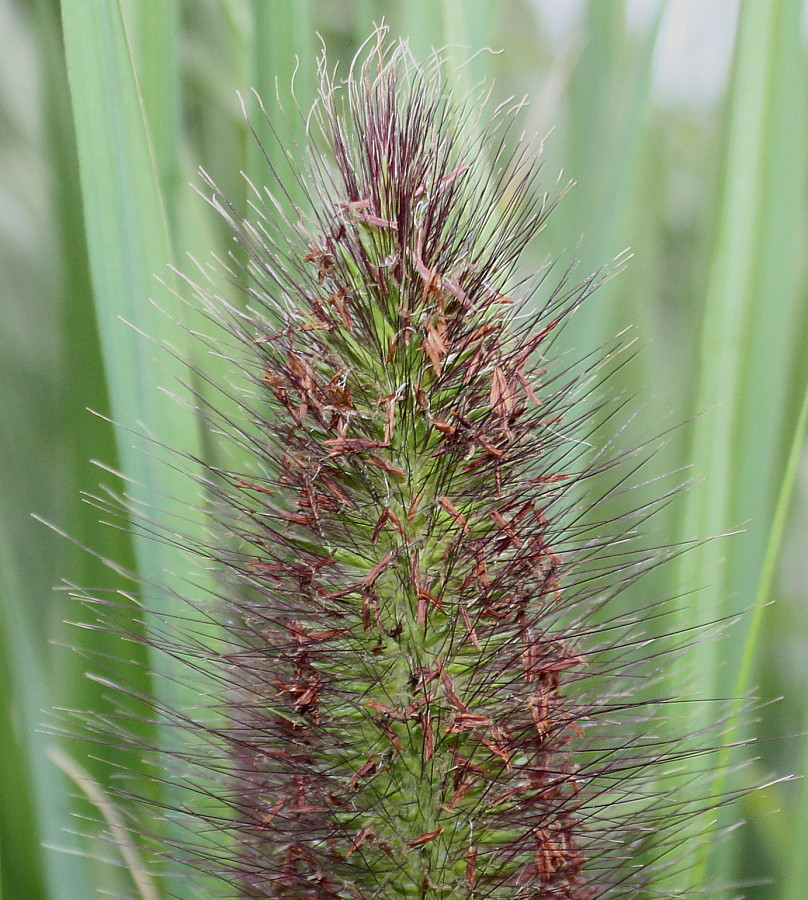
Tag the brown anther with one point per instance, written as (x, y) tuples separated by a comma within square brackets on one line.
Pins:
[(449, 690), (390, 734), (333, 488), (254, 486), (386, 466), (340, 446), (380, 524), (528, 388), (339, 301), (433, 285), (324, 260), (317, 637), (423, 676), (465, 721), (431, 599), (471, 865), (360, 839), (267, 819), (457, 292), (353, 206), (381, 566), (508, 529), (386, 711), (490, 449), (425, 838), (389, 418), (425, 721), (420, 613), (369, 767), (367, 600), (480, 569), (272, 379), (465, 785), (469, 627), (303, 636), (499, 391), (435, 347), (421, 398), (499, 744), (443, 426), (539, 707), (377, 221), (414, 504), (445, 503), (417, 262), (415, 572), (342, 592), (396, 523), (463, 766)]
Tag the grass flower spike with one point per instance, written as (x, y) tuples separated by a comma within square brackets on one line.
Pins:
[(425, 680)]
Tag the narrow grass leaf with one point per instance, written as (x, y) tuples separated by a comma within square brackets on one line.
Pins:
[(772, 368), (729, 313), (81, 387), (38, 799), (155, 29), (128, 244), (795, 876), (282, 47), (465, 32)]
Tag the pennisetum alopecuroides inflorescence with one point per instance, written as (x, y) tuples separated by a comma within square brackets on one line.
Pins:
[(420, 678)]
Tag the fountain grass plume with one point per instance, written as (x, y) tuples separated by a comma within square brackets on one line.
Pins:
[(421, 677)]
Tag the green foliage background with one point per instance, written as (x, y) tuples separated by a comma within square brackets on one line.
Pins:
[(94, 202)]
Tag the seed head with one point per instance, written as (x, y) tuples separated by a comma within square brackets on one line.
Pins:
[(423, 681)]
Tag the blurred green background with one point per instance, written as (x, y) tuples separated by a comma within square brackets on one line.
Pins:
[(683, 125)]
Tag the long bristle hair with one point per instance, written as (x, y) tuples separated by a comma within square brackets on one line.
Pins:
[(420, 677)]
